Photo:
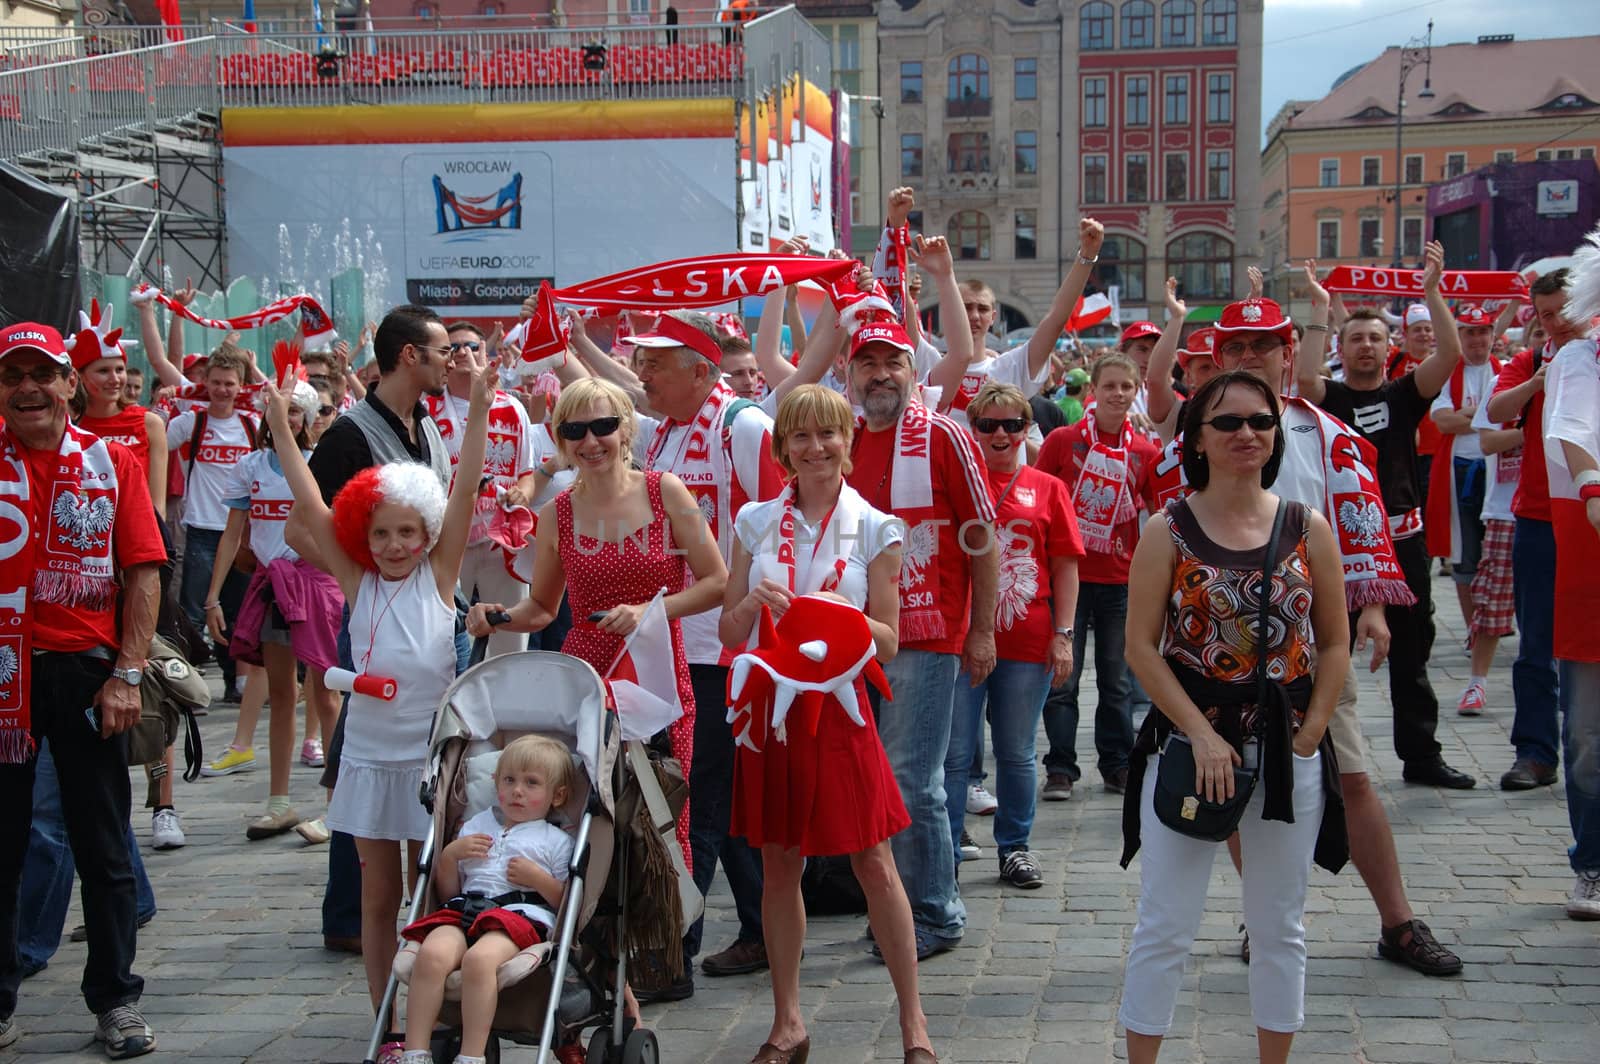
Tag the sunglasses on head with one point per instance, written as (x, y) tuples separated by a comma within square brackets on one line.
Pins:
[(987, 425), (573, 431), (1235, 422)]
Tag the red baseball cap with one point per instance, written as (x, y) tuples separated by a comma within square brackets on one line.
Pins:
[(1201, 344), (674, 332), (882, 332), (1138, 331), (1473, 316), (1253, 315), (191, 361), (32, 336)]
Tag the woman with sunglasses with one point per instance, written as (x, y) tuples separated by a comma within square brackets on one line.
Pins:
[(1035, 604), (1193, 640), (610, 542)]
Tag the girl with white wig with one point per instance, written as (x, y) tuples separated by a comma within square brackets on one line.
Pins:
[(394, 543)]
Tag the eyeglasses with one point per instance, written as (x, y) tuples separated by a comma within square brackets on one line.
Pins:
[(445, 350), (1235, 422), (987, 425), (1263, 346), (573, 431), (42, 375), (981, 308), (326, 410), (466, 345)]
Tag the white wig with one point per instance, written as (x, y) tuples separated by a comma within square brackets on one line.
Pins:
[(413, 484), (1583, 283)]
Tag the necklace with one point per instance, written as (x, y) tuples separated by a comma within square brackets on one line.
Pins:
[(372, 635)]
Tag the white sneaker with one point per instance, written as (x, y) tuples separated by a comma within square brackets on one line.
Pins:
[(970, 850), (979, 801), (166, 833), (1584, 902)]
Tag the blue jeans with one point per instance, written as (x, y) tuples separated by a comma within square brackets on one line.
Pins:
[(915, 729), (47, 872), (1535, 730), (1104, 608), (1015, 693), (1580, 738)]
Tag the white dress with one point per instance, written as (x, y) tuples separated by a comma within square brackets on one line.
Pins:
[(403, 631)]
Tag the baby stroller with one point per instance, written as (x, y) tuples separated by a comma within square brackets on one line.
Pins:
[(553, 990)]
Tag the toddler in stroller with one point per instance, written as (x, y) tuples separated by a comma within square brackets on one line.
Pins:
[(507, 873)]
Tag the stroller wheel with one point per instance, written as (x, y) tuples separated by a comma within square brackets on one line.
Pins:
[(641, 1048), (599, 1047)]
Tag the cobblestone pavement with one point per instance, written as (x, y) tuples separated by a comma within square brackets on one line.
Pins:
[(235, 968)]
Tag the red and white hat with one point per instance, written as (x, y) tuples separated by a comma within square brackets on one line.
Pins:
[(675, 332), (94, 339), (1253, 315), (1473, 316), (1138, 331), (32, 336), (882, 332), (1200, 344), (1417, 312), (190, 361)]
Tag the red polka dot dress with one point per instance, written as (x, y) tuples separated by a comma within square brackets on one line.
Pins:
[(602, 575)]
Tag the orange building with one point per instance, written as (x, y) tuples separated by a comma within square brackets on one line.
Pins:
[(1329, 167)]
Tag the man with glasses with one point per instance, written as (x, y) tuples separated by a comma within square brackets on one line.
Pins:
[(1387, 414)]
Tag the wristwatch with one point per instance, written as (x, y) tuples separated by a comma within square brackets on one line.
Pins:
[(1067, 631), (133, 676)]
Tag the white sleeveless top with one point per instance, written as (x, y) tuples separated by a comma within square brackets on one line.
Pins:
[(403, 631)]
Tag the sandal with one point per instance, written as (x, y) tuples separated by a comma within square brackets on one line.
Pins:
[(771, 1054), (1413, 945), (920, 1056)]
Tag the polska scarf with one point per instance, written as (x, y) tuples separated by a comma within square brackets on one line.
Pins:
[(709, 281), (70, 565), (316, 328), (911, 500), (1102, 496)]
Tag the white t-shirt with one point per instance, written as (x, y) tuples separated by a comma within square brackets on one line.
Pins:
[(1008, 368), (1503, 471), (1477, 385), (256, 484), (1572, 394), (538, 840), (226, 443), (757, 529)]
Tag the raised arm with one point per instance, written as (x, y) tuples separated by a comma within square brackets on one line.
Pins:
[(1258, 281), (768, 347), (934, 259), (818, 355), (793, 318), (155, 348), (1313, 350), (1158, 377), (452, 544), (600, 364), (1091, 235), (1434, 373)]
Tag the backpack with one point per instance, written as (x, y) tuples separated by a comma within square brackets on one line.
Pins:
[(168, 696)]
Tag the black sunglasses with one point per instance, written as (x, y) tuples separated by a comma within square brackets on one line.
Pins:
[(573, 431), (1235, 422), (326, 411), (987, 425), (466, 345)]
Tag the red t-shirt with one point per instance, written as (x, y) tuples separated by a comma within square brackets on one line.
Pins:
[(1532, 499), (1035, 525), (136, 540), (1063, 455), (960, 494), (126, 427)]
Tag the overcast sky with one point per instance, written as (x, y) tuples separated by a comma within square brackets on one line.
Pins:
[(1309, 43)]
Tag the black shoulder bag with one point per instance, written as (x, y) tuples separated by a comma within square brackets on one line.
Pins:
[(1177, 801)]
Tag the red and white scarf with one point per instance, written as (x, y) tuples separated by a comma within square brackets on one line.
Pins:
[(1102, 496), (822, 567), (911, 500), (70, 565), (1443, 520), (316, 328)]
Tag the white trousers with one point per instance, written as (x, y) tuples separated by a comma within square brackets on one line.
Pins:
[(1174, 874), (483, 571)]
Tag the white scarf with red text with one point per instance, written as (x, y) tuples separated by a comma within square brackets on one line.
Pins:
[(1102, 496)]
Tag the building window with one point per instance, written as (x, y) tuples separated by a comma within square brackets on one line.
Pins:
[(1027, 151), (1027, 234), (1411, 239), (1203, 265), (849, 47), (1177, 97), (969, 153), (1330, 173), (1136, 178), (1413, 169), (1177, 23), (1094, 179), (1371, 170), (1586, 153), (1220, 22), (1563, 154), (910, 155), (1371, 238), (1095, 29), (1027, 79), (1544, 155), (969, 77), (1138, 24), (910, 82), (1094, 102), (1455, 164), (422, 10), (1177, 182), (1328, 239), (1121, 266), (1219, 99), (969, 234), (1136, 107), (1219, 175)]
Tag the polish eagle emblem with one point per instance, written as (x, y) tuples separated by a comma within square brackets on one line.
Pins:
[(1017, 588), (1362, 521), (501, 454), (8, 665), (921, 542), (1096, 502), (83, 521)]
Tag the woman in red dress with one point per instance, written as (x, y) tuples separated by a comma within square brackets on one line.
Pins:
[(810, 775), (611, 541)]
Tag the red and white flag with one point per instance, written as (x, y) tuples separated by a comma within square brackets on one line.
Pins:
[(1091, 310), (644, 678)]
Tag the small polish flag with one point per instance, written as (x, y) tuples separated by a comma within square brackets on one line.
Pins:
[(1091, 310), (643, 679)]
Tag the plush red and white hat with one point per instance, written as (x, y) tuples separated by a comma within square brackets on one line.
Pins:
[(1253, 315), (1417, 312), (1139, 330), (672, 331), (1200, 344), (95, 339), (1473, 316), (882, 332), (407, 483)]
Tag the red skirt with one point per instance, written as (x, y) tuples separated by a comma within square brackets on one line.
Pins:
[(824, 794), (522, 931)]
